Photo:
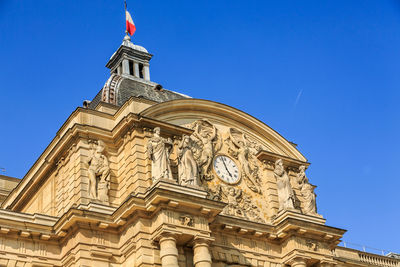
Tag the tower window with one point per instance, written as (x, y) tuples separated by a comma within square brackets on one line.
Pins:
[(131, 71), (141, 70)]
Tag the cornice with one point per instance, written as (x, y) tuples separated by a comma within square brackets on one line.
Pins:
[(60, 144)]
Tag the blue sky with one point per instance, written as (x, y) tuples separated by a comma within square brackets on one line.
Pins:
[(324, 74)]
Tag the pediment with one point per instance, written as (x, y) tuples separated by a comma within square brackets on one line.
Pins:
[(185, 111), (234, 154)]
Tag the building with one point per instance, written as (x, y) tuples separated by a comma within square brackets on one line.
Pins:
[(144, 176)]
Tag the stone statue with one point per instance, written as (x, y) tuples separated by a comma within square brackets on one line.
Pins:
[(205, 135), (99, 173), (240, 149), (187, 169), (307, 191), (285, 191), (158, 149)]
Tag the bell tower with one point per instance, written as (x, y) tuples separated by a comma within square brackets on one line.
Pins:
[(130, 60)]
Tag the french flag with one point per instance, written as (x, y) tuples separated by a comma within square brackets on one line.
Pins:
[(130, 26)]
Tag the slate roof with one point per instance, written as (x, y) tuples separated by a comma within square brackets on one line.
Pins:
[(128, 88)]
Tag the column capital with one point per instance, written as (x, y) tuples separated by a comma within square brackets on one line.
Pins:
[(327, 263), (297, 261), (166, 234), (203, 240)]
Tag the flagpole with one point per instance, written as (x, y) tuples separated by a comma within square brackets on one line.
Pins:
[(126, 31)]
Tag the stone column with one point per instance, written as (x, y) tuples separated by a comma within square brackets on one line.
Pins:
[(201, 253), (136, 69), (168, 251), (146, 72), (125, 66), (298, 262)]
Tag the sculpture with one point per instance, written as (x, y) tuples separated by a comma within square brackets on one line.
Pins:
[(307, 191), (242, 149), (99, 173), (207, 141), (186, 220), (233, 196), (158, 149), (285, 192), (187, 169), (251, 211)]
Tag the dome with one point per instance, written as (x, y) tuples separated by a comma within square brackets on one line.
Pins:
[(127, 42)]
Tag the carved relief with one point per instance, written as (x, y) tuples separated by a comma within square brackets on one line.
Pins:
[(186, 220), (285, 191), (158, 149), (187, 169), (251, 211), (307, 191), (312, 245), (244, 150), (99, 172), (233, 197), (239, 203), (207, 142)]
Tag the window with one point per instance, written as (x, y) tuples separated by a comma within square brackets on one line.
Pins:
[(131, 72), (141, 71)]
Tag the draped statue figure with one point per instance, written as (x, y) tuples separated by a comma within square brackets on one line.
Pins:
[(187, 169), (285, 191), (158, 149), (307, 191), (99, 173)]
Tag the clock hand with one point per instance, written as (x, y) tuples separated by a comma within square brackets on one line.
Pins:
[(226, 168)]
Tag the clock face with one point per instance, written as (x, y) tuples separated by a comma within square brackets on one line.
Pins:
[(226, 169)]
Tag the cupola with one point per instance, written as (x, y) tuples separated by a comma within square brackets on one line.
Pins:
[(130, 60)]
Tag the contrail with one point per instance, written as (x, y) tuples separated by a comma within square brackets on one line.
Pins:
[(297, 99)]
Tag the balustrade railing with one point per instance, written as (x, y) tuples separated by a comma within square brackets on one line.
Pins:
[(378, 260), (365, 257)]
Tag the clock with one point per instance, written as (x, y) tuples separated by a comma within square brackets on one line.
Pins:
[(226, 169)]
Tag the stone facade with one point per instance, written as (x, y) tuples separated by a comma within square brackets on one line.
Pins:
[(181, 182)]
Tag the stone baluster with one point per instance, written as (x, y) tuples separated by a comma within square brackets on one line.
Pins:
[(168, 251), (201, 253)]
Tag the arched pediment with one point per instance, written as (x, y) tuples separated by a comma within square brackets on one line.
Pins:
[(182, 112), (232, 155)]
